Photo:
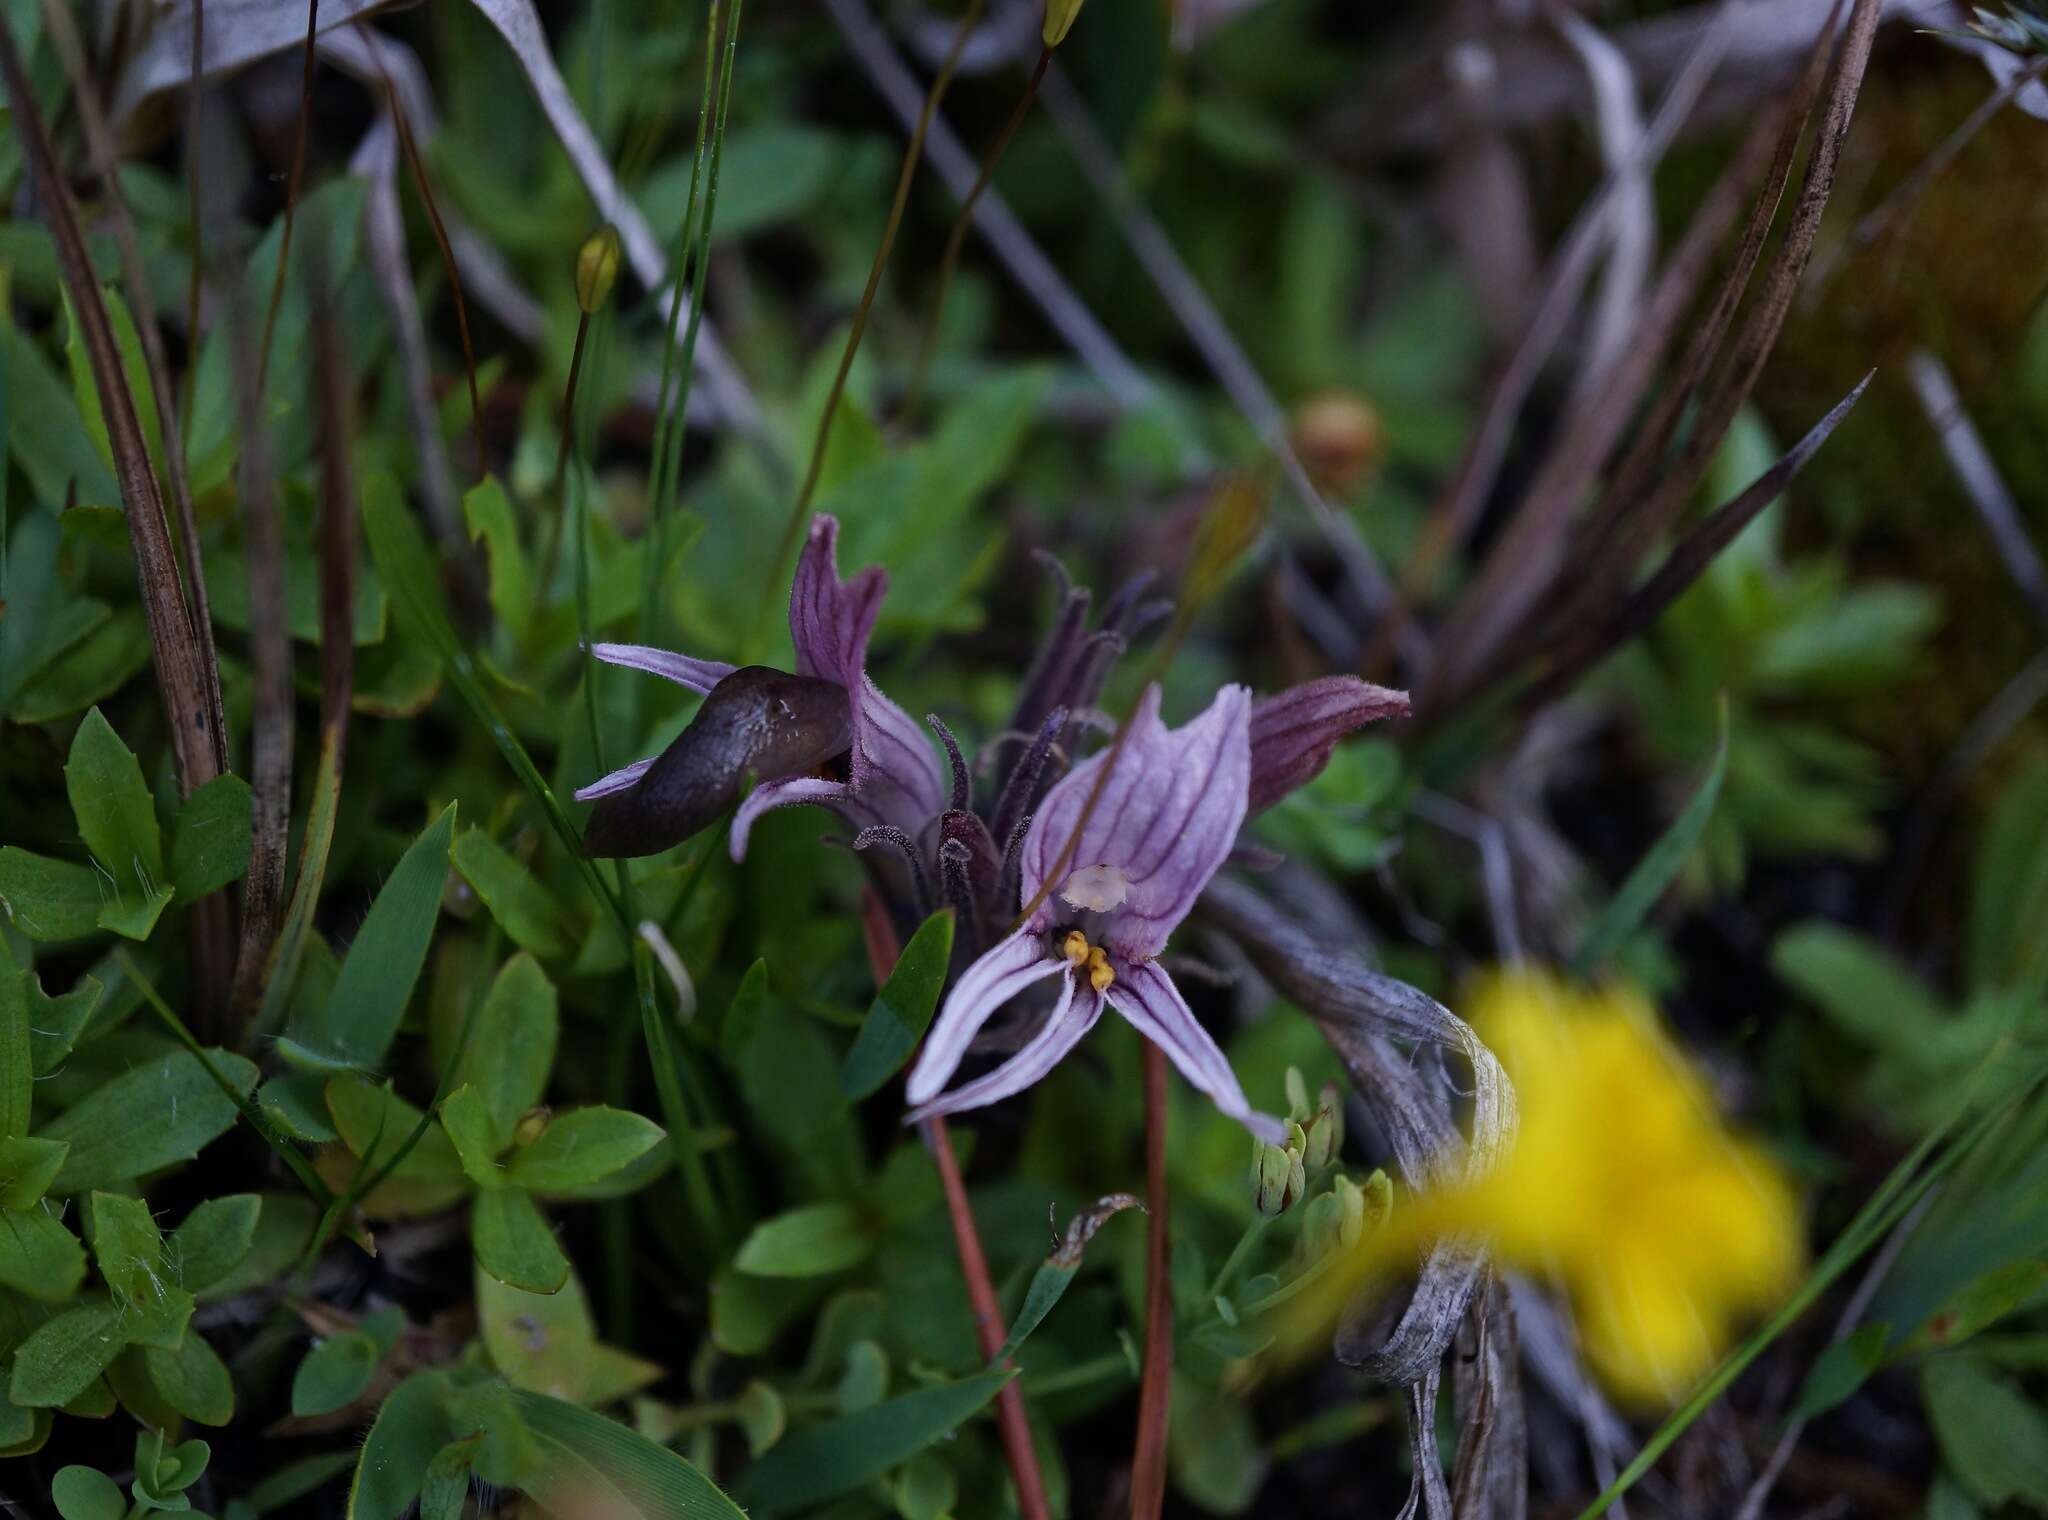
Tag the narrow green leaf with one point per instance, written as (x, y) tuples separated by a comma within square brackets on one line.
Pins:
[(445, 1489), (49, 900), (810, 1241), (146, 1119), (412, 1425), (585, 1454), (827, 1460), (1839, 1371), (901, 1011), (384, 959), (1993, 1438), (17, 1063), (526, 910), (512, 1049), (744, 1016), (1653, 873), (210, 840), (491, 519), (515, 1243), (27, 1168), (581, 1148)]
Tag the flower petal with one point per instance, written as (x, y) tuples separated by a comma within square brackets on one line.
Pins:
[(1146, 996), (1075, 1013), (829, 618), (1293, 731), (617, 781), (1167, 818), (792, 791), (1007, 969), (697, 675), (893, 768)]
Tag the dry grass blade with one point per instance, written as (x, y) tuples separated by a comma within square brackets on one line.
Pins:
[(1490, 1481), (270, 742), (106, 165), (180, 667), (291, 193), (194, 98), (1693, 554)]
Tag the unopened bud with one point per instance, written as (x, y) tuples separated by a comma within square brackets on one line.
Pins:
[(1278, 1180), (1298, 1107), (1324, 1129), (1059, 16), (1320, 1224), (597, 266), (1350, 1211), (1340, 440), (532, 1125)]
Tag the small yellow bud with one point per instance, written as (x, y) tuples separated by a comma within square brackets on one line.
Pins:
[(1100, 973), (1059, 16), (1075, 947), (597, 266), (532, 1125)]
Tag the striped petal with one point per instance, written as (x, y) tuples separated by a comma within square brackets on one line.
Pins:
[(1010, 966), (1146, 996)]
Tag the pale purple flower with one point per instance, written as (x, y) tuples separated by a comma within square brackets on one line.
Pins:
[(1294, 731), (892, 778), (1167, 818)]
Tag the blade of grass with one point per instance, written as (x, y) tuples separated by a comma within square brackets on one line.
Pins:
[(291, 194)]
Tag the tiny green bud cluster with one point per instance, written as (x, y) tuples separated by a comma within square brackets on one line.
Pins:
[(1322, 1124), (1279, 1177)]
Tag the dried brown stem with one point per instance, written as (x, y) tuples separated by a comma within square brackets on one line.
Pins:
[(174, 644), (1155, 1385), (194, 98), (291, 195)]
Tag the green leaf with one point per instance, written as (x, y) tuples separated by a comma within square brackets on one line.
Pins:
[(512, 1049), (743, 1017), (1630, 905), (48, 900), (412, 1425), (547, 1343), (589, 1460), (162, 1472), (1864, 990), (146, 1119), (445, 1489), (811, 1241), (115, 814), (282, 1230), (1839, 1371), (214, 1238), (210, 841), (374, 1122), (1992, 1437), (39, 1257), (334, 1373), (1213, 1449), (27, 1168), (515, 1243), (193, 1380), (830, 1459), (133, 916), (66, 1355), (477, 1140), (296, 1102), (525, 909), (55, 1024), (86, 1493), (581, 1148), (489, 513), (1981, 1303), (130, 1251), (295, 1480), (17, 1063), (384, 959), (901, 1011)]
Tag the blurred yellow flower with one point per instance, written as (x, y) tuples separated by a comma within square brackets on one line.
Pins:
[(1665, 1230)]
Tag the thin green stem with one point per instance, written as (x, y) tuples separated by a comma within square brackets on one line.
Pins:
[(793, 529), (1253, 1232), (957, 238)]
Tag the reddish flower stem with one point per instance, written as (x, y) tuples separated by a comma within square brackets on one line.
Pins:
[(989, 1331), (1155, 1386)]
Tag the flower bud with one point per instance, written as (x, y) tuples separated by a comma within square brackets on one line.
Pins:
[(1340, 439), (1059, 16), (1278, 1180), (1320, 1224), (532, 1125), (1350, 1211), (1324, 1130), (1298, 1107), (597, 266)]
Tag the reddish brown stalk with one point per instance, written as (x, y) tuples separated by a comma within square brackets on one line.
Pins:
[(1155, 1385), (1012, 1423), (426, 190), (291, 194), (174, 646), (958, 237)]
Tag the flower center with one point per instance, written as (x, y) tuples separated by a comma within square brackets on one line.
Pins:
[(1097, 889), (1079, 953)]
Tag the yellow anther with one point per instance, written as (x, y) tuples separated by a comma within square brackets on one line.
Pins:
[(1099, 973), (1075, 947)]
